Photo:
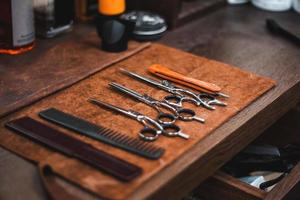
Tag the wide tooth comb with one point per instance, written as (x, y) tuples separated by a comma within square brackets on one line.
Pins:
[(103, 134)]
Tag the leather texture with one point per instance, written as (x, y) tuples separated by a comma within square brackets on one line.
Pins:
[(134, 145), (75, 148), (243, 88)]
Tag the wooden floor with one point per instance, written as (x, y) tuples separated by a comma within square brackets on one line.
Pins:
[(235, 35)]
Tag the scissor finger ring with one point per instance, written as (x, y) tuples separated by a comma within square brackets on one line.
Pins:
[(166, 118), (148, 134), (173, 100), (211, 100), (188, 115), (172, 130)]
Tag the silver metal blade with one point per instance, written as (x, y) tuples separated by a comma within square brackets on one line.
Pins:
[(112, 107), (223, 95), (126, 90), (139, 77)]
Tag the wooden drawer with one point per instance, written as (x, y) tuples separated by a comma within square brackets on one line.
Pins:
[(225, 187)]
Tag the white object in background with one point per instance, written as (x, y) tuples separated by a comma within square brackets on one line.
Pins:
[(296, 5), (273, 5), (255, 181), (237, 1)]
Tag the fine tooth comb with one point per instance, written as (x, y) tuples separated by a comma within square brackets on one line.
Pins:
[(102, 134)]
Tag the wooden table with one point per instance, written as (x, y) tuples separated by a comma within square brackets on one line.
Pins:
[(235, 35)]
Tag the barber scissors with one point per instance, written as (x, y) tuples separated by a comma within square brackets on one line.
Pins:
[(152, 129), (180, 95), (176, 113)]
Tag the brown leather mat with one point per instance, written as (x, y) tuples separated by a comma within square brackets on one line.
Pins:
[(50, 67), (243, 88)]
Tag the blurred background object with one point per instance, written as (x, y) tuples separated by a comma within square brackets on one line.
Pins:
[(296, 5), (113, 31), (147, 25), (16, 26), (86, 10), (273, 5), (53, 17), (237, 1), (111, 7)]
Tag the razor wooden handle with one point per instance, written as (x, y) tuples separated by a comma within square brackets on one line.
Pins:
[(168, 74)]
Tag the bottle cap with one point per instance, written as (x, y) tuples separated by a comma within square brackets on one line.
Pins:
[(148, 25), (111, 7)]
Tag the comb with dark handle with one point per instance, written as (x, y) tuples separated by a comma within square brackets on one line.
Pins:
[(102, 134)]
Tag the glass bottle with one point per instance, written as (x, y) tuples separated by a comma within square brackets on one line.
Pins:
[(16, 26)]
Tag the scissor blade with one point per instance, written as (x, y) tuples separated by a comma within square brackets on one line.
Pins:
[(126, 90), (223, 95), (111, 107), (139, 77)]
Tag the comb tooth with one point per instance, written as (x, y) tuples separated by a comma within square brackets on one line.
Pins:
[(110, 134), (145, 145), (116, 136), (124, 139), (155, 150), (150, 149), (119, 137), (129, 141), (107, 135), (134, 142), (105, 132), (140, 145), (147, 148), (101, 129)]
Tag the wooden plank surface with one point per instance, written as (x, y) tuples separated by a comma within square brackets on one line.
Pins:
[(234, 35), (191, 10), (54, 64)]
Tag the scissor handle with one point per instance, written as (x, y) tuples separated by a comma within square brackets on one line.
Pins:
[(211, 100), (166, 118), (173, 130), (150, 123), (188, 115), (195, 97), (158, 105), (173, 100), (148, 134), (176, 101)]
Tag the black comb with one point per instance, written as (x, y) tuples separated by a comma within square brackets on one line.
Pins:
[(102, 134)]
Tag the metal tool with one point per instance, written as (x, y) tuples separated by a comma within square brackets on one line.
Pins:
[(177, 113), (102, 134), (182, 95), (152, 129)]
